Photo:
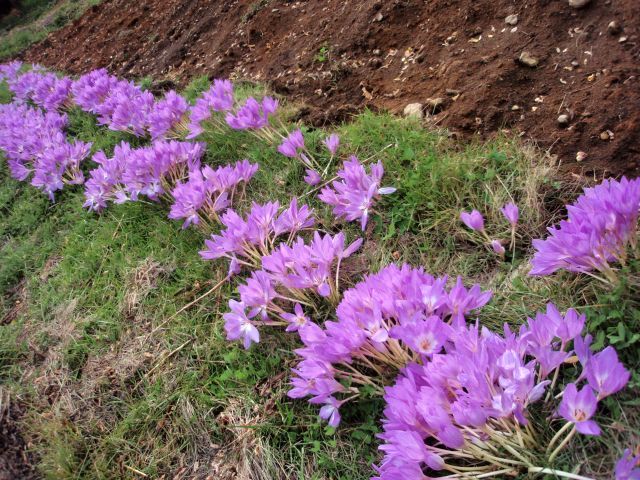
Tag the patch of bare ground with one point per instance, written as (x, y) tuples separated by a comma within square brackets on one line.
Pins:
[(17, 462)]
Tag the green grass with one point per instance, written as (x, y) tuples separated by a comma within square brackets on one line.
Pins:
[(37, 19), (114, 385)]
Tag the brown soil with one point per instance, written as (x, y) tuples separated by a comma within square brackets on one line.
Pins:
[(339, 57), (15, 460)]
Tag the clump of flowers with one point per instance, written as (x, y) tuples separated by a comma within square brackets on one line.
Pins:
[(253, 115), (600, 229), (475, 222), (355, 194), (10, 71), (166, 116), (219, 98), (151, 171), (388, 320), (34, 143), (208, 191), (293, 275), (92, 89), (126, 108), (244, 241), (465, 408)]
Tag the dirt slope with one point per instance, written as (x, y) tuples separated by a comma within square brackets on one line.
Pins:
[(339, 57)]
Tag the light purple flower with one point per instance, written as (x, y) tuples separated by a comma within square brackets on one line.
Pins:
[(497, 247), (511, 212), (628, 467), (605, 373), (332, 142), (578, 407), (330, 412), (312, 177), (239, 325), (473, 220)]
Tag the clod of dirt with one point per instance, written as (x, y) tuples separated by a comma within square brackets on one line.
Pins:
[(614, 28), (414, 110), (529, 60), (436, 104)]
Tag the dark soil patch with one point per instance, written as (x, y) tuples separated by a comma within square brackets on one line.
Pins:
[(339, 57), (16, 297), (16, 462)]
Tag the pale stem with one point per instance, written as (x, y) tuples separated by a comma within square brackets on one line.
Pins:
[(559, 473), (563, 444), (557, 436)]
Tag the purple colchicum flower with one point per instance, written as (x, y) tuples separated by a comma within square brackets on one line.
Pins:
[(166, 115), (312, 177), (578, 407), (332, 142), (605, 374), (34, 143), (253, 114), (601, 226), (511, 213), (354, 195), (219, 98), (330, 412), (208, 191), (292, 144), (240, 326), (497, 247), (628, 467), (473, 220)]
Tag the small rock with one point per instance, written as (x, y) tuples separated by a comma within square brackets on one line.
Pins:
[(614, 27), (435, 104), (511, 19), (579, 3), (580, 156), (414, 110), (575, 64), (515, 108), (379, 17), (606, 135), (377, 52), (527, 59), (622, 39), (563, 120)]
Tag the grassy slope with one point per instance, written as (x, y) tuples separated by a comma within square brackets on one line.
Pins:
[(114, 385), (36, 20)]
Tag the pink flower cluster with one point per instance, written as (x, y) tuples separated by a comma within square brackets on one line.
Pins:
[(208, 191), (600, 227), (34, 143), (354, 195), (477, 387)]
